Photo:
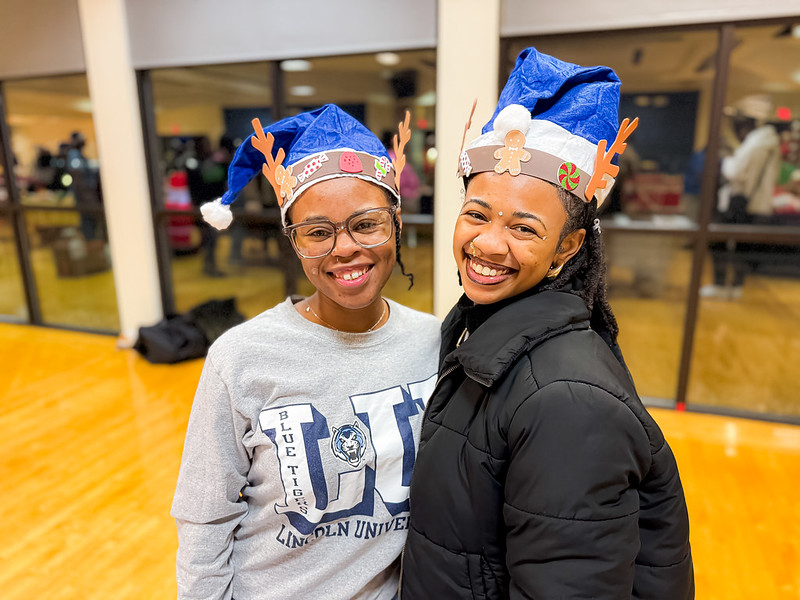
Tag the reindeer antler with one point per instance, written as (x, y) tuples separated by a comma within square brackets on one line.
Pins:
[(467, 126), (602, 164), (399, 161), (273, 169)]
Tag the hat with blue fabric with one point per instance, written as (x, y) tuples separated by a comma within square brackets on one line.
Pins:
[(554, 121), (297, 152)]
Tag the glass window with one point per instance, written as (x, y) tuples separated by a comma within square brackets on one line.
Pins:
[(759, 173), (648, 280), (72, 271), (52, 138), (202, 114), (260, 267), (747, 342), (12, 300)]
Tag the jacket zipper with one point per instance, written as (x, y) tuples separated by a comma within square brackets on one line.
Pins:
[(438, 381), (403, 553)]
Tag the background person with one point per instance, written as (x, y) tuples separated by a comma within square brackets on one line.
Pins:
[(748, 178)]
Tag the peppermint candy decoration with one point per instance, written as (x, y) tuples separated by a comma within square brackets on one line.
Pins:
[(466, 165), (569, 176), (314, 165)]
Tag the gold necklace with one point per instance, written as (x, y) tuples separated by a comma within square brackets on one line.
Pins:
[(324, 322)]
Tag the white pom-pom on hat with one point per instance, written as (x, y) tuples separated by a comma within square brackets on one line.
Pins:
[(513, 116), (217, 214)]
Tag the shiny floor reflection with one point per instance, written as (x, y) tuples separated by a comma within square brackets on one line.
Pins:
[(91, 444)]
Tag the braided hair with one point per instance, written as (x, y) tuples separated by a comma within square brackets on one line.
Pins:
[(585, 273), (397, 248)]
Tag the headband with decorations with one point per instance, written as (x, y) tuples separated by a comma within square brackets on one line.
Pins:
[(553, 121), (319, 145)]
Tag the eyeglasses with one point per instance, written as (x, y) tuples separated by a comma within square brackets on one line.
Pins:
[(317, 238)]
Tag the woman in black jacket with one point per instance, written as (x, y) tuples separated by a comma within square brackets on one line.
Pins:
[(540, 473)]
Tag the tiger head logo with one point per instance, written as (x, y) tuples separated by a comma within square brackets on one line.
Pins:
[(349, 444)]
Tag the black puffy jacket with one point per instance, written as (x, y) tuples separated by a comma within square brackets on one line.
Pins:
[(540, 473)]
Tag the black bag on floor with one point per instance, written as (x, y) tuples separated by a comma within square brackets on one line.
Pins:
[(173, 339), (187, 336), (215, 317)]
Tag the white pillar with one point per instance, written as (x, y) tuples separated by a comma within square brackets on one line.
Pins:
[(118, 129), (467, 63)]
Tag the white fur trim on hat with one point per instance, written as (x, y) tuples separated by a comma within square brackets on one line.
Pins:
[(217, 214), (551, 138)]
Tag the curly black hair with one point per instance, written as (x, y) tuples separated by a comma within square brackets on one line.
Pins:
[(585, 273)]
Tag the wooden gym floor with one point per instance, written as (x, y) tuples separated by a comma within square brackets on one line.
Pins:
[(91, 443)]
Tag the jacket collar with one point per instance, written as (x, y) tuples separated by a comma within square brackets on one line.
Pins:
[(493, 347)]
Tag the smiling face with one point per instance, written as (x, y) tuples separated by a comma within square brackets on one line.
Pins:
[(350, 277), (515, 224)]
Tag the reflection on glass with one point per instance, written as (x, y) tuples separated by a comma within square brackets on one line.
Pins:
[(73, 273), (759, 173), (53, 141), (202, 114), (647, 284), (52, 138), (12, 299), (747, 343), (667, 80)]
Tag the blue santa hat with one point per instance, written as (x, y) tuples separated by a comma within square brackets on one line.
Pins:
[(299, 151), (556, 121)]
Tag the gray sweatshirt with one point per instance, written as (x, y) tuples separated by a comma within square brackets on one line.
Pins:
[(298, 457)]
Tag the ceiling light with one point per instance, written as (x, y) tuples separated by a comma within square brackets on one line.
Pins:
[(387, 59), (293, 66), (302, 90)]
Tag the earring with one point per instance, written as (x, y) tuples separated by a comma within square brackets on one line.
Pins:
[(554, 271)]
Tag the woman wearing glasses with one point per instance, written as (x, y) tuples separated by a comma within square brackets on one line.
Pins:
[(540, 473), (303, 432)]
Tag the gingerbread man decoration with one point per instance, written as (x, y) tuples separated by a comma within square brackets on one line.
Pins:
[(284, 180), (512, 154), (279, 176)]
